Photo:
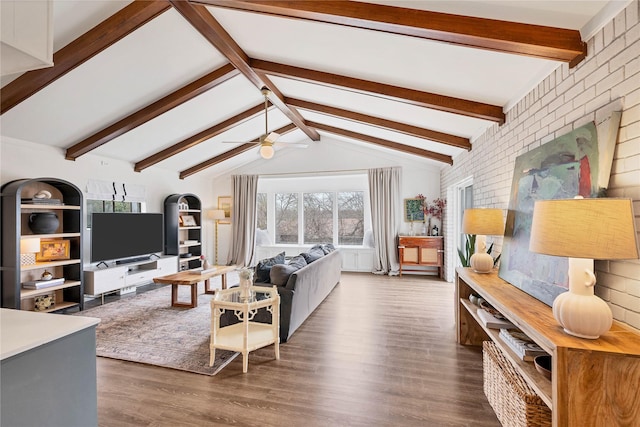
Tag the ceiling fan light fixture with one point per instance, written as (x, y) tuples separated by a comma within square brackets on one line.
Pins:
[(267, 151)]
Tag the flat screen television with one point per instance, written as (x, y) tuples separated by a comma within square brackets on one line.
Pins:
[(117, 236)]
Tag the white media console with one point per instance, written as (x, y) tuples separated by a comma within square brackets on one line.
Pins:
[(125, 277)]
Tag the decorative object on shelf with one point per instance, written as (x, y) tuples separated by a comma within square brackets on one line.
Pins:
[(188, 221), (435, 231), (224, 204), (42, 194), (246, 281), (29, 247), (41, 284), (183, 206), (543, 365), (44, 302), (43, 222), (583, 230), (53, 250), (216, 215), (46, 275), (482, 222)]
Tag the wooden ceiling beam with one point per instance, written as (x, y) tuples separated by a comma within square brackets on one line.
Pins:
[(81, 50), (231, 153), (556, 44), (384, 143), (200, 18), (152, 111), (448, 104), (196, 139), (441, 137)]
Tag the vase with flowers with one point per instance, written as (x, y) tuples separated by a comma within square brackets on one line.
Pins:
[(432, 210), (246, 281)]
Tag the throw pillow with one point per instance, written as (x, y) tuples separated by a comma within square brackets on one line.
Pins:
[(263, 269), (312, 255), (280, 273), (327, 248)]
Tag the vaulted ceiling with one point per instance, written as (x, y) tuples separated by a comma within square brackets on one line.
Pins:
[(168, 83)]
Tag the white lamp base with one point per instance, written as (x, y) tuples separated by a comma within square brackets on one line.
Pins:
[(579, 311), (481, 262)]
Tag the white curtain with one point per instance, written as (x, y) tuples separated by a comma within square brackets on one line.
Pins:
[(243, 219), (386, 204)]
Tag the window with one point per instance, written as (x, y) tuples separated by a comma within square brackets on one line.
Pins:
[(318, 217), (350, 218), (286, 218), (261, 207), (110, 206)]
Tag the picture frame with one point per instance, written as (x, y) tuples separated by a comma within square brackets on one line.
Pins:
[(224, 203), (413, 210), (188, 221), (54, 250)]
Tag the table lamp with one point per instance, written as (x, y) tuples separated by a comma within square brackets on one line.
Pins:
[(216, 215), (29, 247), (583, 230), (482, 222)]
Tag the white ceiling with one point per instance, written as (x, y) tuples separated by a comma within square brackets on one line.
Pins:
[(168, 53)]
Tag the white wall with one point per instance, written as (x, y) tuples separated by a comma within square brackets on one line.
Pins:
[(21, 159), (607, 80), (332, 155)]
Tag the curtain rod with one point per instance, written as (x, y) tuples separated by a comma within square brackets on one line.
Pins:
[(314, 173)]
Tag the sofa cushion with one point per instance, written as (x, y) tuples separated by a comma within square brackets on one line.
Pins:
[(263, 269), (313, 254), (280, 273)]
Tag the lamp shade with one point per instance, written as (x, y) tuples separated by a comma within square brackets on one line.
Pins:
[(30, 245), (484, 221), (215, 214), (600, 228)]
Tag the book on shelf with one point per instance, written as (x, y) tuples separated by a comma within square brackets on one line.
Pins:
[(493, 322), (41, 284), (521, 344), (189, 242)]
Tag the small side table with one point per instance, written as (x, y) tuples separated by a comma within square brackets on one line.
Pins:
[(246, 335)]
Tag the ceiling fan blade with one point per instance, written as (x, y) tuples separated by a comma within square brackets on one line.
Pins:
[(272, 137)]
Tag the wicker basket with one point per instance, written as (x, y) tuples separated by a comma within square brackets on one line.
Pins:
[(513, 400)]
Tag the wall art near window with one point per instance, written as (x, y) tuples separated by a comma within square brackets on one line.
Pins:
[(224, 203), (413, 210), (566, 167)]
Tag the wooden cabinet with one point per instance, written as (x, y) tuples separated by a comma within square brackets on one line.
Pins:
[(63, 254), (181, 236), (594, 382), (417, 252)]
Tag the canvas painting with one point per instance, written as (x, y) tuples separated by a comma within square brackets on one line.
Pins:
[(561, 169)]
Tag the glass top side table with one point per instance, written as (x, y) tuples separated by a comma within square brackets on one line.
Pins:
[(245, 336)]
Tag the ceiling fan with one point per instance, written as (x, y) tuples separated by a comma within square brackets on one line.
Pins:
[(268, 140)]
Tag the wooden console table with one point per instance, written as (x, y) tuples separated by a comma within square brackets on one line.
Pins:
[(421, 251), (594, 382)]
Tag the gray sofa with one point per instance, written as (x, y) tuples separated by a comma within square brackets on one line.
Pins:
[(303, 292)]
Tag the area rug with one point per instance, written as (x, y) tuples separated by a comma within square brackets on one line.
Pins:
[(145, 328)]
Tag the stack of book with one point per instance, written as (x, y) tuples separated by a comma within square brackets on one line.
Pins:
[(492, 321), (41, 284), (521, 344), (35, 201)]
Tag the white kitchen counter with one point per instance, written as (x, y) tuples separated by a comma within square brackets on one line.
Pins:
[(23, 330)]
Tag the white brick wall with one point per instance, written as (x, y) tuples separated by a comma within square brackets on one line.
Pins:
[(607, 80)]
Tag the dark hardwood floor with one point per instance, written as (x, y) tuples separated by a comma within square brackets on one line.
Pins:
[(379, 351)]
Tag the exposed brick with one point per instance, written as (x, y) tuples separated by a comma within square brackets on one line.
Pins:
[(620, 24), (632, 17)]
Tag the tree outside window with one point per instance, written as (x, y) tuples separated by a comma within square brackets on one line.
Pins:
[(261, 207), (286, 218), (350, 218), (318, 217)]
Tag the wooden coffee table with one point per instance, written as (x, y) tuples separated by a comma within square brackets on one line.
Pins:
[(192, 278)]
